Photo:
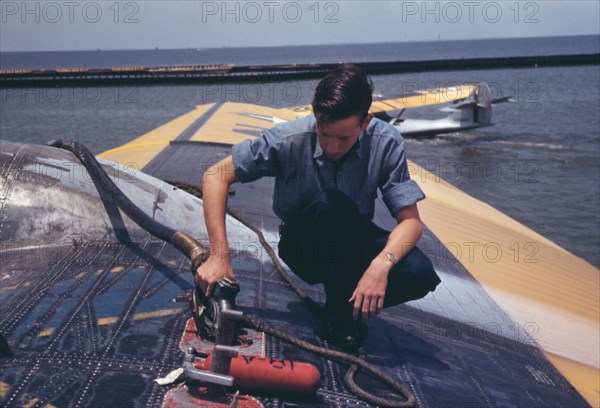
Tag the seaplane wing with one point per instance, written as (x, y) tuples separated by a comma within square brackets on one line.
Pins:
[(421, 98), (417, 98), (86, 295)]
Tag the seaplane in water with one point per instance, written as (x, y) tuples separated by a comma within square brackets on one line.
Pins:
[(466, 112), (470, 107), (93, 254)]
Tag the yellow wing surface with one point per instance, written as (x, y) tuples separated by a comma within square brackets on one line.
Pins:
[(414, 99), (548, 292)]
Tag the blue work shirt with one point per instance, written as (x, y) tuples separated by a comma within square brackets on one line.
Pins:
[(290, 152)]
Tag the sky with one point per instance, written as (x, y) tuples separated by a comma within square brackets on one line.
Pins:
[(148, 24)]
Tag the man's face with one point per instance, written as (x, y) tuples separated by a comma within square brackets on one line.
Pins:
[(337, 138)]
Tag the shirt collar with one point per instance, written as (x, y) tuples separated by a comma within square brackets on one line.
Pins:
[(356, 148)]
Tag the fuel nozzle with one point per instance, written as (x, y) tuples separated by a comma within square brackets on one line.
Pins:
[(211, 313), (227, 289)]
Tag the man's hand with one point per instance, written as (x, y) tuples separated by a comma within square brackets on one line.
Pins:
[(209, 273), (215, 184), (370, 292), (369, 295)]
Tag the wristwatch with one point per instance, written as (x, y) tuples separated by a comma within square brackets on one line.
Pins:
[(391, 257)]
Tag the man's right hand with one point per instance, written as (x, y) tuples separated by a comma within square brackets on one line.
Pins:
[(209, 273), (215, 185)]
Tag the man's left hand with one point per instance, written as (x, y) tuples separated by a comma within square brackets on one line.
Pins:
[(369, 294)]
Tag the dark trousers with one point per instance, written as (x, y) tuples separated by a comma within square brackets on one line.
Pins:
[(331, 243)]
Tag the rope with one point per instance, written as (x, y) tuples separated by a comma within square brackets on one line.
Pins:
[(343, 358)]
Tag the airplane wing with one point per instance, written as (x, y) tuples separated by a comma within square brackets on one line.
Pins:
[(423, 98), (413, 99)]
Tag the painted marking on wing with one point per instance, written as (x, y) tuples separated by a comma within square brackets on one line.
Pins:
[(5, 388), (271, 119), (31, 403), (7, 288), (255, 131), (46, 332), (157, 313), (105, 321), (198, 123)]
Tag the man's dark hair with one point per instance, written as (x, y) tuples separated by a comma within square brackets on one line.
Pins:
[(345, 92)]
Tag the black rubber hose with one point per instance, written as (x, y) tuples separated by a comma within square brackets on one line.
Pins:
[(180, 240)]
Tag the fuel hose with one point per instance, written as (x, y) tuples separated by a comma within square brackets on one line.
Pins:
[(180, 240)]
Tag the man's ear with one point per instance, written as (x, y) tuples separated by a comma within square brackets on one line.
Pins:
[(366, 122)]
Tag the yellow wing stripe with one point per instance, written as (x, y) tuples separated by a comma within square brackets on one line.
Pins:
[(542, 287)]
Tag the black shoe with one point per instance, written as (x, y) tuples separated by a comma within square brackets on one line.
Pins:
[(342, 336)]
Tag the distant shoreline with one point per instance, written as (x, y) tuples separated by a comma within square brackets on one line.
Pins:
[(215, 73)]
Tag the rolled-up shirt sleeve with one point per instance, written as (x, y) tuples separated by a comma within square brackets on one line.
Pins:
[(253, 159), (397, 189)]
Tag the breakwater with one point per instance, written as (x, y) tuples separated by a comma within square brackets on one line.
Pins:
[(216, 73)]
